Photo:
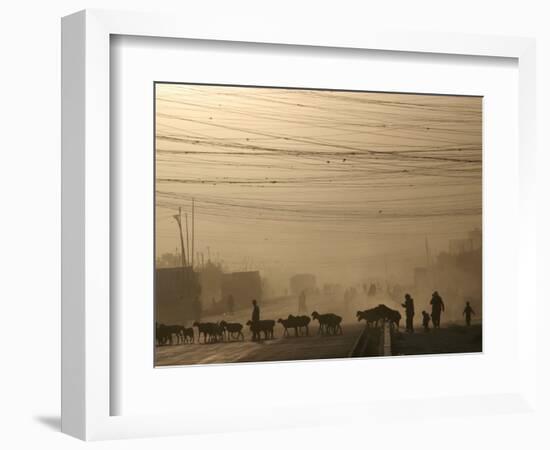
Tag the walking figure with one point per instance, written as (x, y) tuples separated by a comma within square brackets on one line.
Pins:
[(468, 312), (409, 312), (255, 320), (426, 321), (437, 307)]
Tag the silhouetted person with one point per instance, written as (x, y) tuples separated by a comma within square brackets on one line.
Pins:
[(230, 304), (426, 321), (437, 308), (255, 320), (468, 312), (302, 302), (409, 312)]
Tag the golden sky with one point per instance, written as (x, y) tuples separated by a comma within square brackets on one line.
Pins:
[(307, 180)]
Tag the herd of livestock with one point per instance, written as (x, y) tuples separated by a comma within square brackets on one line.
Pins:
[(329, 324)]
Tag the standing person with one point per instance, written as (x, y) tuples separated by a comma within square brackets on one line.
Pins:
[(255, 320), (302, 302), (468, 311), (437, 307), (426, 321), (409, 312)]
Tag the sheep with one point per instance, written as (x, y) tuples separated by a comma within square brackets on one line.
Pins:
[(217, 332), (381, 312), (165, 334), (288, 323), (370, 316), (265, 326), (162, 335), (188, 335), (391, 315), (296, 322), (394, 317), (233, 330), (322, 321), (301, 322), (208, 329), (334, 324), (328, 323)]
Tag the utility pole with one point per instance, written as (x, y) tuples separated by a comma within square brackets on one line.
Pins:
[(177, 217), (187, 239), (193, 232)]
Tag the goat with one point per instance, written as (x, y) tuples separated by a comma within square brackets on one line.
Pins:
[(289, 323), (381, 312), (334, 324), (161, 334), (394, 318), (264, 326), (300, 322), (328, 323), (370, 316), (188, 335), (208, 329), (233, 330), (165, 334), (217, 333)]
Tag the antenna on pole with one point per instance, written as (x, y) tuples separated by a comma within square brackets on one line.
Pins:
[(177, 217)]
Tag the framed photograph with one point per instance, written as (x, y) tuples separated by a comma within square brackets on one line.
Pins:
[(251, 211)]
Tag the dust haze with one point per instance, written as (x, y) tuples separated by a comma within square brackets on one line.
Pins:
[(374, 195)]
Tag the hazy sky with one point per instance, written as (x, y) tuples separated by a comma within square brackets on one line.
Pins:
[(316, 181)]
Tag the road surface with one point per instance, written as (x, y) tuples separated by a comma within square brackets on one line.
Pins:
[(278, 349), (450, 339)]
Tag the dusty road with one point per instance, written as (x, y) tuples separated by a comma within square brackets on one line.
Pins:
[(448, 339), (278, 349)]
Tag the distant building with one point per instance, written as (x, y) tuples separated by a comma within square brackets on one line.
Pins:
[(243, 286), (458, 246), (303, 282), (210, 277), (169, 260), (176, 292)]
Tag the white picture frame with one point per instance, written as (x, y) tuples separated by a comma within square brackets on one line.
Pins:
[(86, 239)]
